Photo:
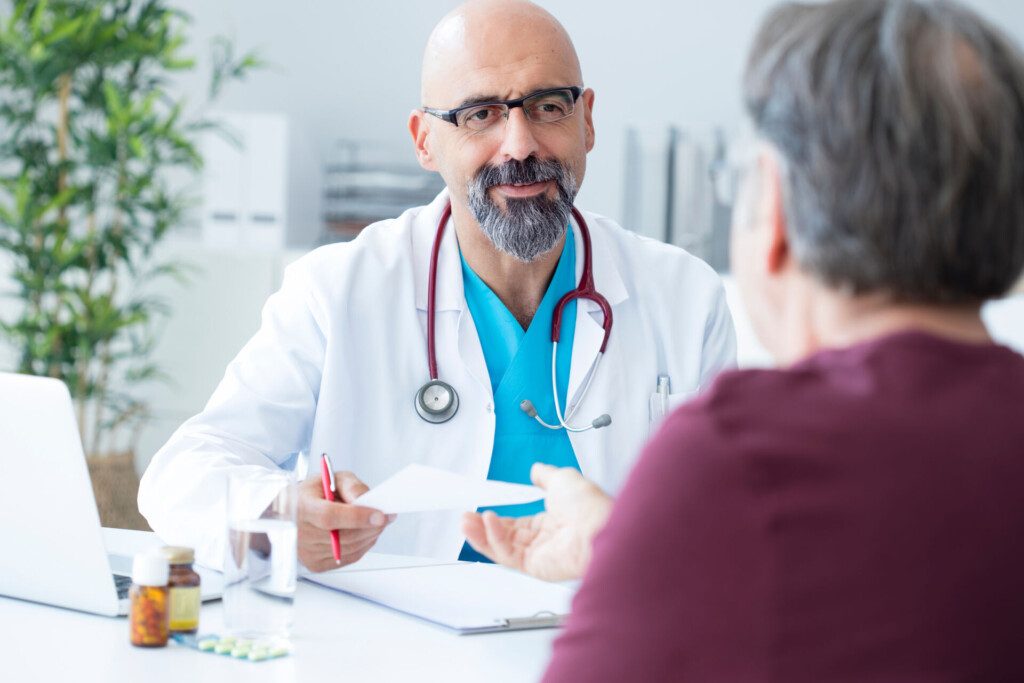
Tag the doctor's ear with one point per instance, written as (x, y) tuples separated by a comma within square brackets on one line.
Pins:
[(419, 128), (587, 99)]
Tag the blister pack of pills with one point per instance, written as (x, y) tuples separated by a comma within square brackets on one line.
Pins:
[(239, 648)]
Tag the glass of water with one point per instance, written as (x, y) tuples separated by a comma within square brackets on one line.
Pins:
[(261, 566)]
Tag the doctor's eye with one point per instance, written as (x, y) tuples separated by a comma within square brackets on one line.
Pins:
[(550, 107), (479, 118)]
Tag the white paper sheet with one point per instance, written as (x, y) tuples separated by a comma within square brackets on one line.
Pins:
[(466, 596), (372, 561), (419, 488)]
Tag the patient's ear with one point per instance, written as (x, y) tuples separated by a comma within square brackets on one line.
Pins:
[(420, 131), (773, 212)]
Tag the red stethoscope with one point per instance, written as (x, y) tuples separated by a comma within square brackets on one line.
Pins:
[(437, 401)]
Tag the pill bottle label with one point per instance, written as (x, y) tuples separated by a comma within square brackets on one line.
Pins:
[(185, 609)]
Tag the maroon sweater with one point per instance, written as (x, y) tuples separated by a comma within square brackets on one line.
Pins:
[(858, 517)]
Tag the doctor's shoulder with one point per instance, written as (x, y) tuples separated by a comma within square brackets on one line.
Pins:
[(650, 266), (380, 251)]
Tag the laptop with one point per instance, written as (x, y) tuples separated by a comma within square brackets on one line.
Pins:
[(51, 543)]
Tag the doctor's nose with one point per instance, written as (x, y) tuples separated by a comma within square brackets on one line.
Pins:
[(518, 141)]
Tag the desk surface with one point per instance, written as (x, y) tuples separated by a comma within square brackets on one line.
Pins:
[(335, 635)]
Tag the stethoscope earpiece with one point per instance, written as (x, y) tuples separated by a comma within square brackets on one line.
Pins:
[(527, 407), (437, 401)]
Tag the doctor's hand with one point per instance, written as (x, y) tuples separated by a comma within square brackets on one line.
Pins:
[(553, 545), (358, 527)]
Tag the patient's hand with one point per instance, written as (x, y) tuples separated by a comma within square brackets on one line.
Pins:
[(553, 545)]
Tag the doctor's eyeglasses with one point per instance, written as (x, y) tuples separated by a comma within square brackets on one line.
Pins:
[(543, 106)]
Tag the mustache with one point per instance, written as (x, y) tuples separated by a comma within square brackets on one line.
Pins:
[(526, 227), (516, 172)]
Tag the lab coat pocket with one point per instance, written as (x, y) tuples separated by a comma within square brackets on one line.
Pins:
[(660, 407)]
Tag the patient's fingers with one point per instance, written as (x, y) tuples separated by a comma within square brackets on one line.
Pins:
[(500, 537), (476, 534)]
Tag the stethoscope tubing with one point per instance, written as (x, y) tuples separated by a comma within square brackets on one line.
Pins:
[(585, 289)]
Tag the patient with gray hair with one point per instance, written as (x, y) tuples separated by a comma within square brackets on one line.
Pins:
[(857, 513)]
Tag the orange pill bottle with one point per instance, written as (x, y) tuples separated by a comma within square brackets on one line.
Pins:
[(149, 615)]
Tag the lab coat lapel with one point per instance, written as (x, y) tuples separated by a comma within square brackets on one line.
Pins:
[(589, 318), (470, 350), (450, 295), (454, 325), (585, 346)]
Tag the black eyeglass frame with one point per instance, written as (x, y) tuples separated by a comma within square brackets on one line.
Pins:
[(450, 115)]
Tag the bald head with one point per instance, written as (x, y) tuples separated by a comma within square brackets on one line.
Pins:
[(485, 41), (514, 178)]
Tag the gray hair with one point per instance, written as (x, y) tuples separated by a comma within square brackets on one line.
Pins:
[(900, 124), (527, 227)]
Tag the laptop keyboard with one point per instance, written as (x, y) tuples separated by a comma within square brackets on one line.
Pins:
[(122, 583)]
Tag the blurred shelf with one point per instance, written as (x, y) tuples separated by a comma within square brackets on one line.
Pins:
[(366, 184)]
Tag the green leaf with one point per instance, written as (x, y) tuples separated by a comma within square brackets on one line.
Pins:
[(180, 64), (37, 52), (226, 67), (69, 28), (138, 149), (36, 23), (60, 200), (19, 11), (22, 197), (115, 104)]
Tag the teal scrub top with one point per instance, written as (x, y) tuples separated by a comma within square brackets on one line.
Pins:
[(519, 365)]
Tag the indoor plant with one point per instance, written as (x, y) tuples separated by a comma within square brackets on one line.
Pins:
[(91, 137)]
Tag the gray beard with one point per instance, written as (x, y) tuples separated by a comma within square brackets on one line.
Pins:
[(527, 227)]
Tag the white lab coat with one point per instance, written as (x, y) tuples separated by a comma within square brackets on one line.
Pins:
[(341, 353)]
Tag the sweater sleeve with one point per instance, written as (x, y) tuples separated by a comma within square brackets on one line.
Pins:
[(676, 572)]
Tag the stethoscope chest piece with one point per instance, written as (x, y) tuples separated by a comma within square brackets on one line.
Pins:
[(436, 401)]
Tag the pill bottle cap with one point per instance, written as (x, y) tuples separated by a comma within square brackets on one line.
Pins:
[(150, 569), (177, 554)]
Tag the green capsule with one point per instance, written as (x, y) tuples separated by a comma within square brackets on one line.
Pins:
[(258, 655), (223, 648), (280, 651), (207, 645), (241, 652)]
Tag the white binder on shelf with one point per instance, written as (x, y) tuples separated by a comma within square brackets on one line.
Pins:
[(692, 200), (646, 161), (245, 182), (466, 597)]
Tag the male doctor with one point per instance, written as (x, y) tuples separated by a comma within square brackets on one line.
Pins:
[(345, 361)]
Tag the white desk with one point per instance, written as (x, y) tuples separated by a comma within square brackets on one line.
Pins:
[(336, 637)]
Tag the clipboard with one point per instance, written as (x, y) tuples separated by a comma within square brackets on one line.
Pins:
[(465, 597)]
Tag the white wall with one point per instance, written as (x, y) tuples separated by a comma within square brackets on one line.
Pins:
[(351, 69)]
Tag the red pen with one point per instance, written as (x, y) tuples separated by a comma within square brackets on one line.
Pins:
[(330, 493)]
